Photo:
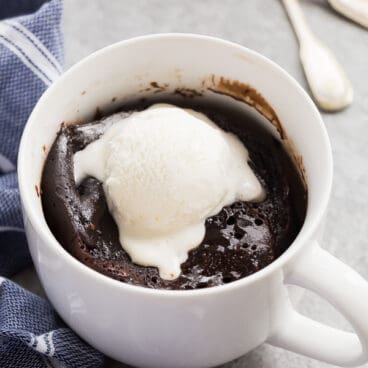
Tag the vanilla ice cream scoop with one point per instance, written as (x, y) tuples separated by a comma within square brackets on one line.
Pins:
[(164, 171)]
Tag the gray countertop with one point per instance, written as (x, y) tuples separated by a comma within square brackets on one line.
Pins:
[(263, 26)]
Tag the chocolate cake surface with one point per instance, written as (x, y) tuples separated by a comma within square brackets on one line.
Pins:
[(240, 240)]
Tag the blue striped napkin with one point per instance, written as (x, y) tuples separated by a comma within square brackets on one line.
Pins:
[(31, 54)]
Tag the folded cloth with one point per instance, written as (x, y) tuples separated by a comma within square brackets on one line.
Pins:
[(31, 54), (33, 336)]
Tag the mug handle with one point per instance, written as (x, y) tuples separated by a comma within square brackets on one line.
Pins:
[(347, 291)]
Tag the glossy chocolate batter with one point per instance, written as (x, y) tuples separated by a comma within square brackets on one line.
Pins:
[(240, 240)]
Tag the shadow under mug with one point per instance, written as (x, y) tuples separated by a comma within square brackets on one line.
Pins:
[(206, 327)]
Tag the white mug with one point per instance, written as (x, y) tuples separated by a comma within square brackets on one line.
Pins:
[(206, 327)]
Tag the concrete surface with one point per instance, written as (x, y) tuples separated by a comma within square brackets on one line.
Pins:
[(261, 25)]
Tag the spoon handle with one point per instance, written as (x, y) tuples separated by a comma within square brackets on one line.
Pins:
[(297, 19), (356, 10), (329, 85)]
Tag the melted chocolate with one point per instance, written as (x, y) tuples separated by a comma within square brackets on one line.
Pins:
[(240, 240)]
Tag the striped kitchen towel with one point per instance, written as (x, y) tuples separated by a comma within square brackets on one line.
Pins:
[(31, 54)]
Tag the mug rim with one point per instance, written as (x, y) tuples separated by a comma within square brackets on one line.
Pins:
[(49, 240)]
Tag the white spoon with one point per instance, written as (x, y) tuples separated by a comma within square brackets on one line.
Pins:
[(329, 85), (356, 10)]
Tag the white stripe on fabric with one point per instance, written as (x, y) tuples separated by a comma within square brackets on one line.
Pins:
[(5, 164), (37, 55), (37, 42), (25, 61), (11, 228), (44, 336), (51, 342), (41, 345), (29, 50), (2, 279)]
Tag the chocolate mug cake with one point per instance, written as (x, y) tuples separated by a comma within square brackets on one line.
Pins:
[(241, 238)]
